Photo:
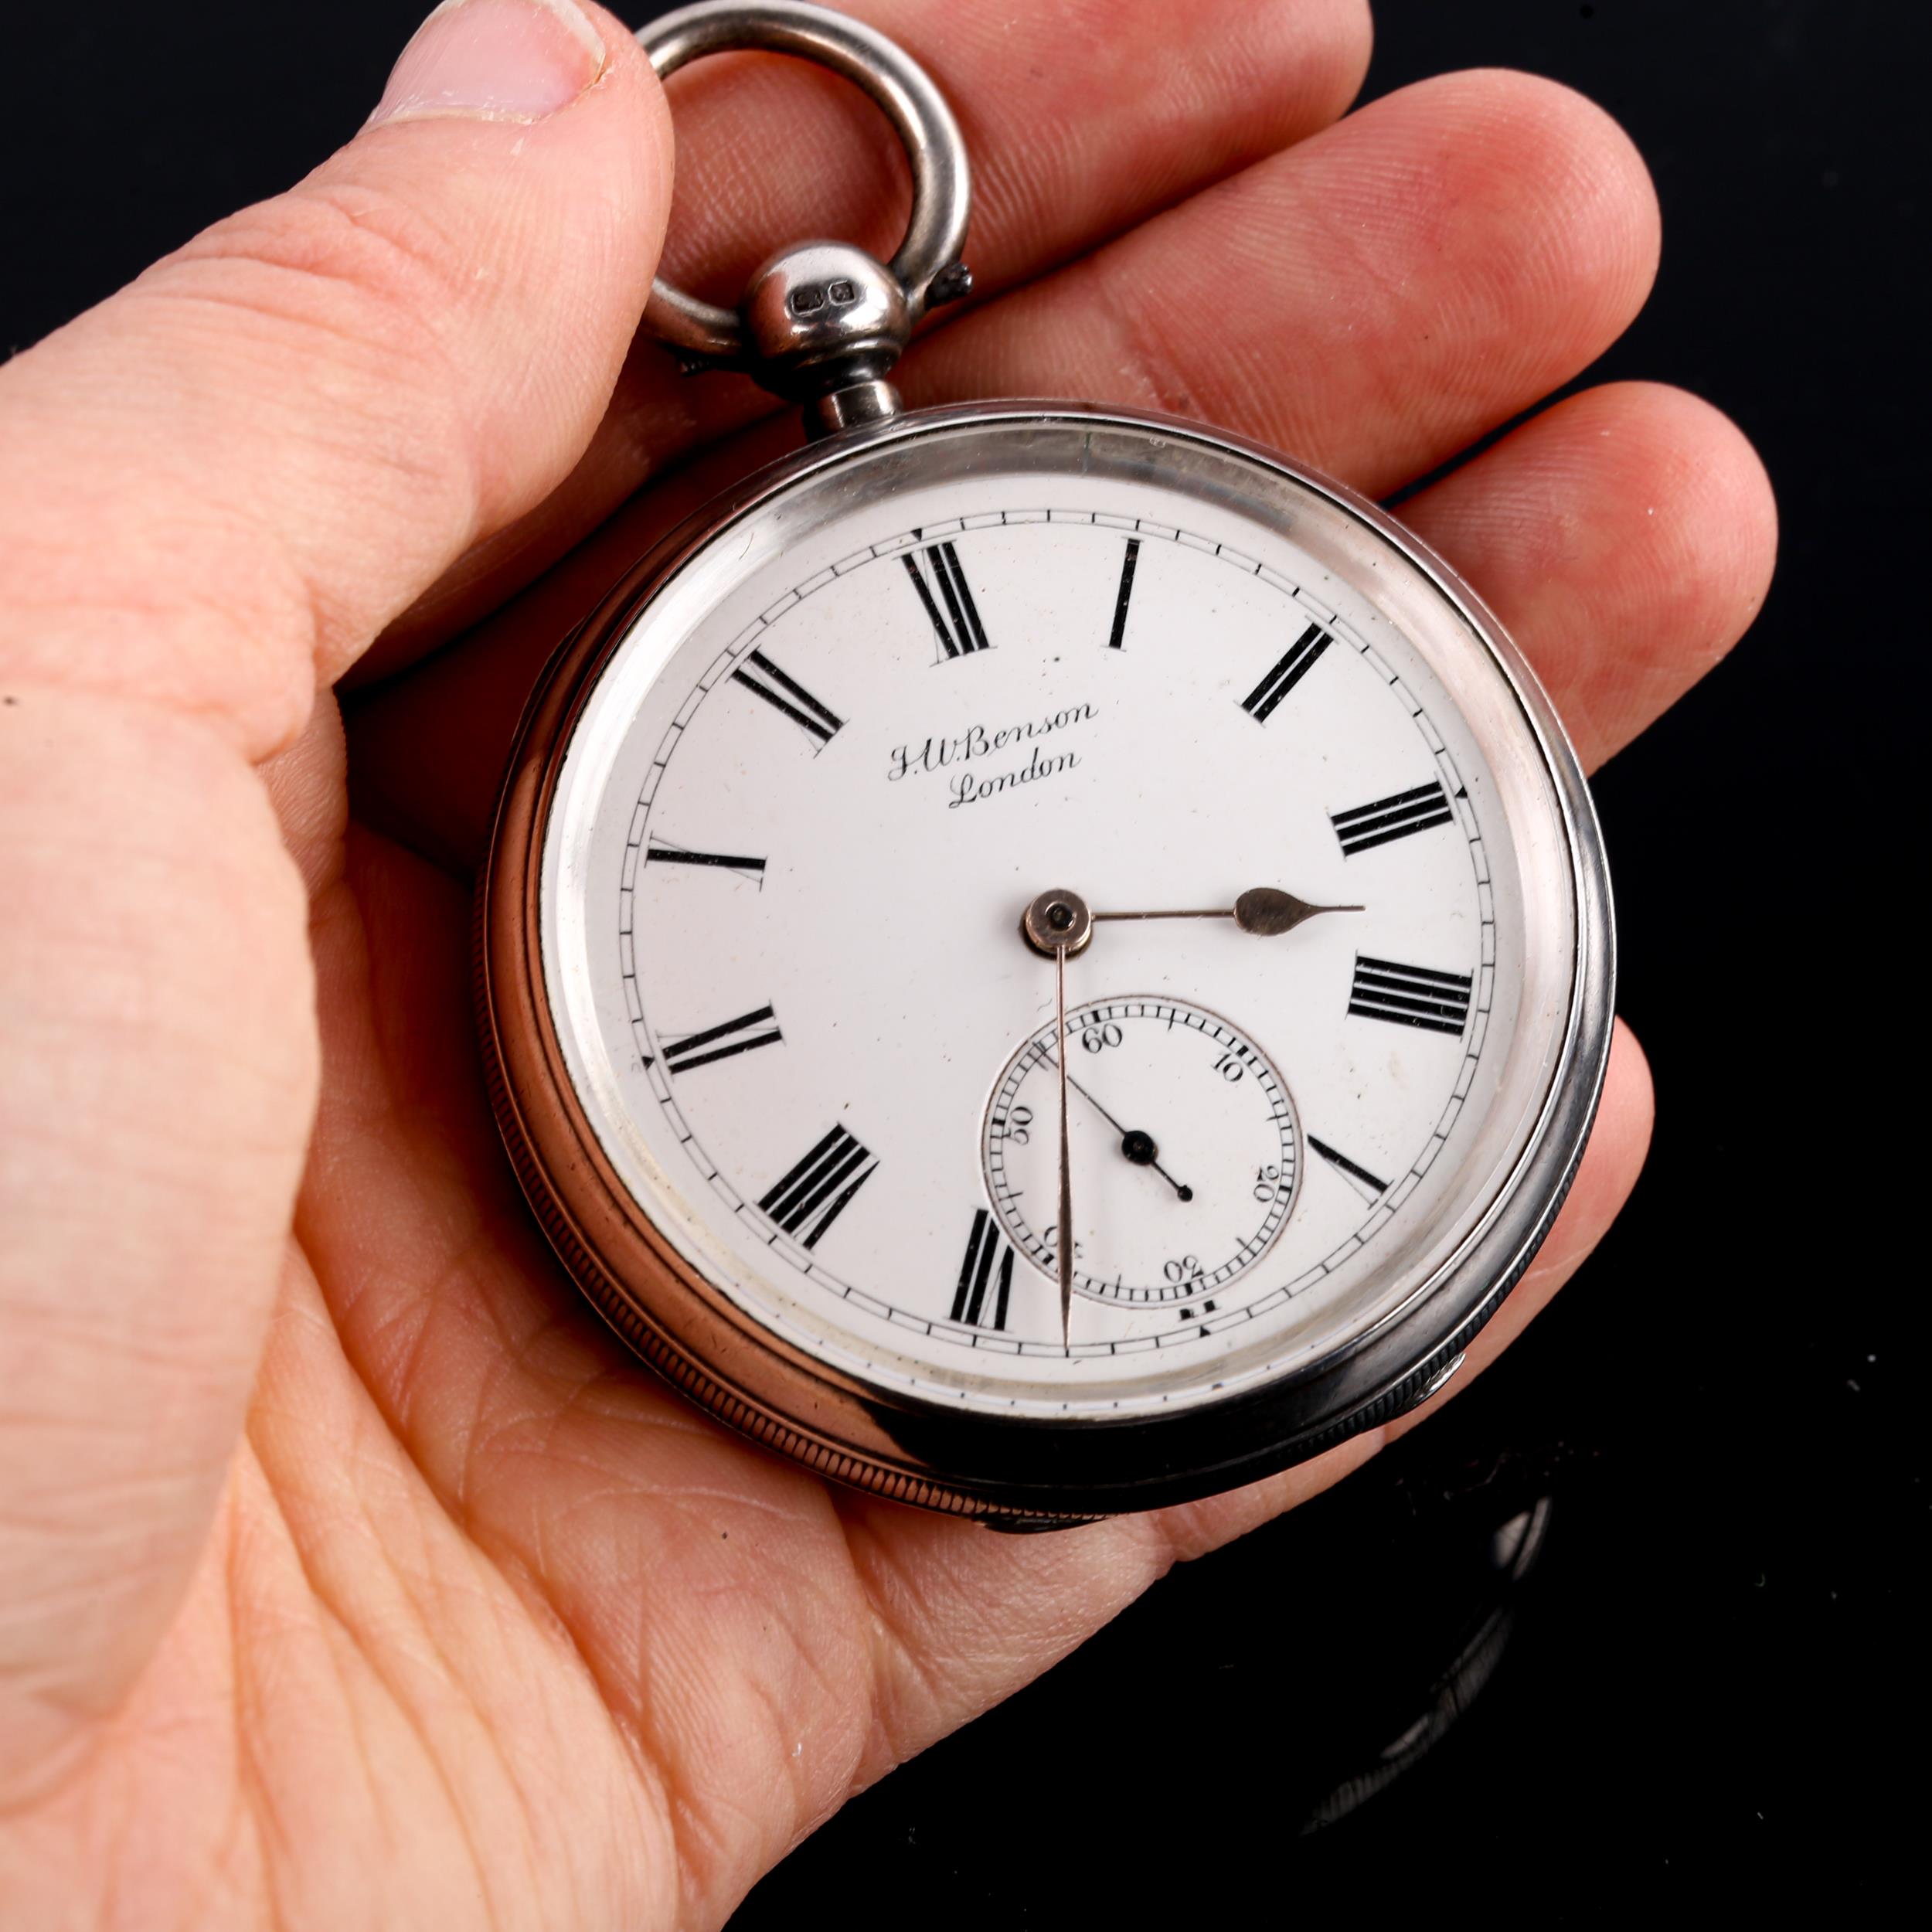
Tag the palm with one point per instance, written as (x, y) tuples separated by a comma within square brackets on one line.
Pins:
[(663, 1617), (363, 1573)]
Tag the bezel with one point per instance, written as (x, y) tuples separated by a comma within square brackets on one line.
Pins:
[(1021, 1470)]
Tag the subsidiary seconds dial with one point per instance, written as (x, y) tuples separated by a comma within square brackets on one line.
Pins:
[(1182, 1144)]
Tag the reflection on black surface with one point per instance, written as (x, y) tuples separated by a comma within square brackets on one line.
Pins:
[(1511, 1549), (1257, 1708)]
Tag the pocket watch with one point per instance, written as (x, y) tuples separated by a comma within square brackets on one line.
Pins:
[(1039, 959)]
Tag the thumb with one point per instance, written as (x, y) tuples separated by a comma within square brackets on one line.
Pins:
[(220, 484), (213, 490)]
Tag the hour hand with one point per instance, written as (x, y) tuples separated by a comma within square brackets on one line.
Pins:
[(1264, 911)]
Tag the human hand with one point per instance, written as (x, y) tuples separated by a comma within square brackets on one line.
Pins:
[(347, 1573)]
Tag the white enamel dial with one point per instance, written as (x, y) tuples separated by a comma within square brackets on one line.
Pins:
[(1187, 1153), (835, 756)]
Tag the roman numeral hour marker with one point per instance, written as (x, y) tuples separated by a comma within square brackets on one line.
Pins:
[(985, 1277), (1396, 816), (658, 853), (1409, 995), (815, 1193), (1295, 664), (941, 585), (1124, 595), (1371, 1187), (787, 695), (721, 1042)]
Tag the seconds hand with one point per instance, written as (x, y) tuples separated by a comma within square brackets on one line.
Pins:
[(1065, 1258), (1136, 1143), (1055, 925)]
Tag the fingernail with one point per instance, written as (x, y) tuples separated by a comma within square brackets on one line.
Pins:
[(494, 60)]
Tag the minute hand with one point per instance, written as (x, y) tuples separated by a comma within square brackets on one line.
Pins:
[(1261, 909)]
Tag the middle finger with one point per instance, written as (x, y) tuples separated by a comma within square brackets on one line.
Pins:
[(1371, 301)]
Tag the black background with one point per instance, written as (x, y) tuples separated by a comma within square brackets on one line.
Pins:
[(1715, 1670)]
